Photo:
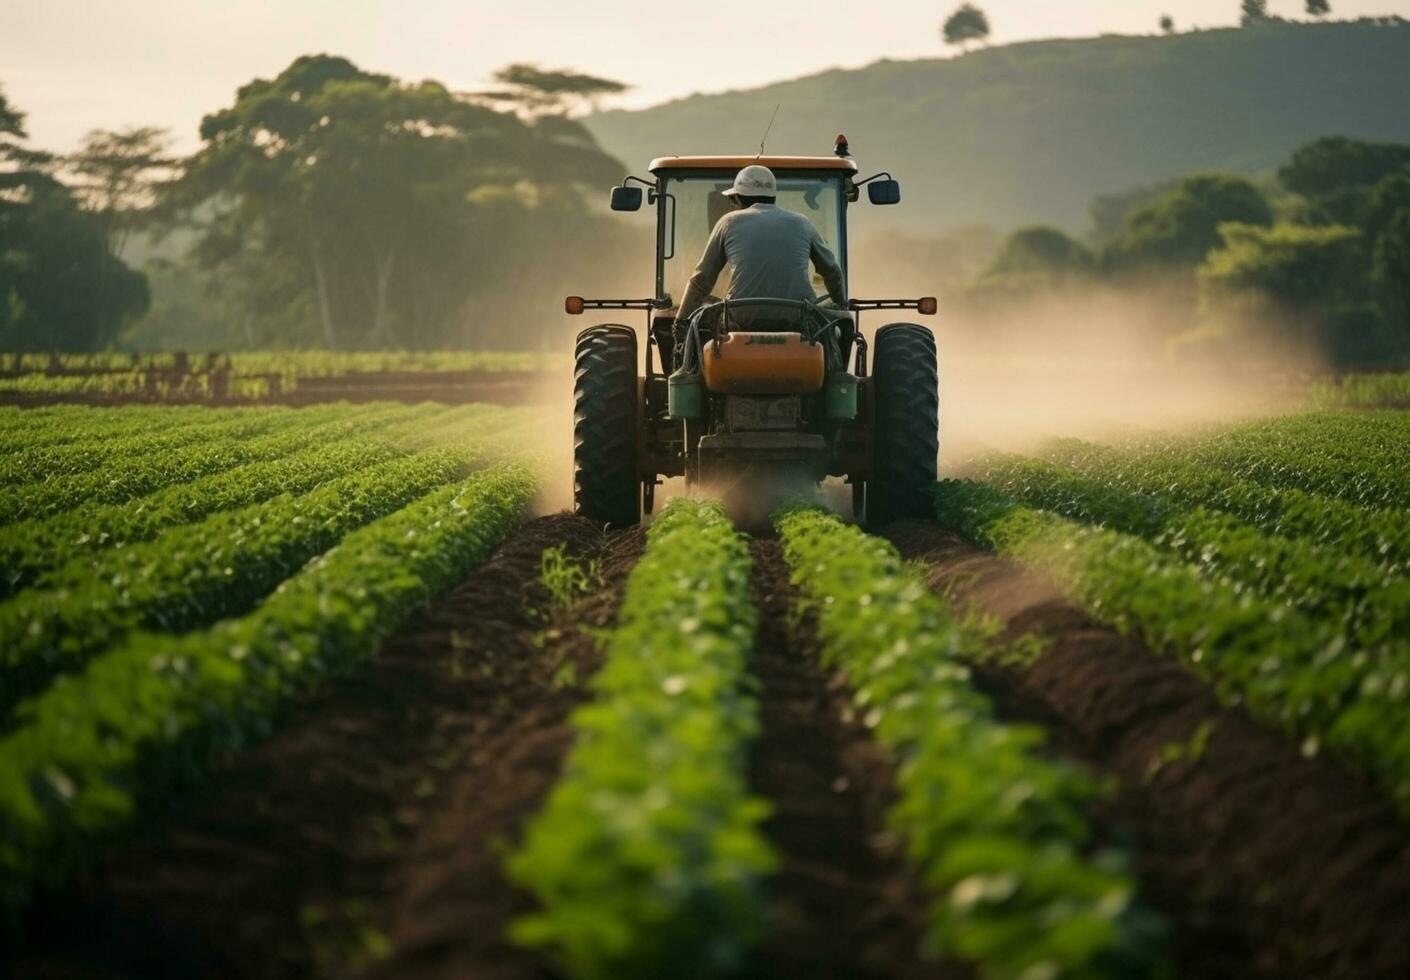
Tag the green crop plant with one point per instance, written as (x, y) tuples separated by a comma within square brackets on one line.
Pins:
[(31, 549), (996, 831), (647, 859), (1369, 606), (136, 474), (1353, 456), (154, 714), (1379, 534), (41, 464), (1289, 669), (192, 575), (57, 425), (1379, 390), (566, 579)]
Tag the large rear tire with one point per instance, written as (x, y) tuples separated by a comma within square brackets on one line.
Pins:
[(905, 424), (606, 483)]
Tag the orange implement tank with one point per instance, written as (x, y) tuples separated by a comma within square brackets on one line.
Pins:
[(764, 364)]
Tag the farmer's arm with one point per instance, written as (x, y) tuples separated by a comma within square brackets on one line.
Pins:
[(706, 274), (831, 272)]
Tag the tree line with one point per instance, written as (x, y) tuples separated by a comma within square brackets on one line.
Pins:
[(63, 284), (328, 206), (1321, 255), (970, 23)]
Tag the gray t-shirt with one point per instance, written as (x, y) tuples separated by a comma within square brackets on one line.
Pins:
[(768, 249)]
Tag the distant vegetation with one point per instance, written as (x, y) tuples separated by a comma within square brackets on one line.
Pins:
[(62, 282), (328, 207), (344, 209), (967, 23), (1023, 133), (1324, 265)]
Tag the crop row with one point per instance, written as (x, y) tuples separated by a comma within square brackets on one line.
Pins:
[(78, 426), (1287, 667), (997, 832), (195, 574), (150, 716), (29, 549), (1357, 457), (647, 858), (74, 422), (303, 364), (1377, 534), (37, 456), (1369, 607), (134, 475), (1379, 390)]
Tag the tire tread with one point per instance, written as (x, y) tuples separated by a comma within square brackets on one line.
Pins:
[(606, 486), (906, 436)]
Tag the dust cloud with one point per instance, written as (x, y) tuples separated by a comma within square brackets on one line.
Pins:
[(1097, 364)]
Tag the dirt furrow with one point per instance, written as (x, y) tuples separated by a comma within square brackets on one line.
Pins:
[(1269, 863), (284, 866), (448, 904), (842, 903)]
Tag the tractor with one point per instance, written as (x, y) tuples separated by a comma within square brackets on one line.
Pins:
[(764, 391)]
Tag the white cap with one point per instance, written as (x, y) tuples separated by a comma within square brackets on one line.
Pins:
[(754, 181)]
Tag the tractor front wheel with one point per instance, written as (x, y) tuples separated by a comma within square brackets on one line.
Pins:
[(606, 484), (906, 424)]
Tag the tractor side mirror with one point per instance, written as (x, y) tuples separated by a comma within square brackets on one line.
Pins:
[(626, 199), (884, 192)]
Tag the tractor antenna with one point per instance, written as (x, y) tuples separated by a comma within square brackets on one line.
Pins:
[(766, 130)]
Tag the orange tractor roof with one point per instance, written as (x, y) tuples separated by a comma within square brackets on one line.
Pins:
[(844, 164)]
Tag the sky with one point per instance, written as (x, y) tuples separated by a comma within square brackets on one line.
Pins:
[(75, 65)]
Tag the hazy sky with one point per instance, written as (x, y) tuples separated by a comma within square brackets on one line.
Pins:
[(73, 65)]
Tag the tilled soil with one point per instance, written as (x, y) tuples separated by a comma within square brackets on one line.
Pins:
[(385, 794), (842, 903), (365, 838), (1268, 863), (449, 905)]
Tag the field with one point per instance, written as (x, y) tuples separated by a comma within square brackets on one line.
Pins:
[(270, 377), (318, 691)]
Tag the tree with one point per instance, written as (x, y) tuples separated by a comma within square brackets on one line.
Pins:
[(379, 206), (1293, 267), (1332, 164), (967, 23), (1033, 260), (117, 174), (1318, 8), (1254, 11), (1390, 271), (1295, 283), (1339, 176), (60, 286), (1108, 212), (1167, 24), (1383, 202), (537, 91), (1179, 228)]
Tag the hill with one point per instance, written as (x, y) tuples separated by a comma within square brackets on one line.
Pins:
[(1032, 132)]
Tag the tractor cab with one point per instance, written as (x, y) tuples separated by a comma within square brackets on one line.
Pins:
[(691, 195), (765, 387)]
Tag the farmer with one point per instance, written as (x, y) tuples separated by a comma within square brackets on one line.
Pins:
[(768, 249)]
